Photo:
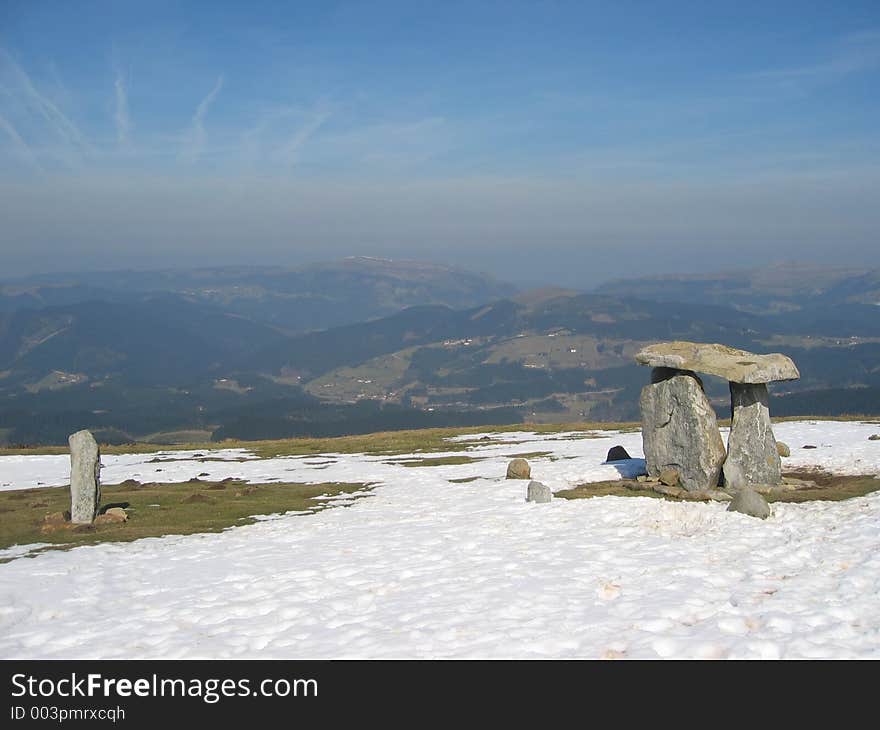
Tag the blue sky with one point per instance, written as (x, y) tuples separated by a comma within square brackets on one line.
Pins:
[(517, 137)]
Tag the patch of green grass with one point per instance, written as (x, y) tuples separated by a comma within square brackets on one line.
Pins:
[(437, 461), (528, 455), (845, 419), (183, 509), (164, 438), (829, 487), (382, 443), (614, 488)]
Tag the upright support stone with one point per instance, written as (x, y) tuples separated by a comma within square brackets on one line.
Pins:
[(752, 456), (85, 477), (679, 429)]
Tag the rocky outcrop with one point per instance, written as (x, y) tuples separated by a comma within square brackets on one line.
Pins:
[(752, 455), (85, 477), (737, 366), (680, 431)]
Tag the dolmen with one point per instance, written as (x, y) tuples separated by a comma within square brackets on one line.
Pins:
[(679, 428)]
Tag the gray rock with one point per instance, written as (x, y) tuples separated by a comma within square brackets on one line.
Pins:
[(782, 448), (739, 366), (617, 453), (85, 477), (874, 437), (519, 469), (749, 502), (538, 492), (752, 454), (680, 431)]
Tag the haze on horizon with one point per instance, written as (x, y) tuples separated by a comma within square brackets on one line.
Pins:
[(563, 142)]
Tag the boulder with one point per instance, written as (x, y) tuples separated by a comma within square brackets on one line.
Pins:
[(738, 366), (109, 519), (670, 477), (519, 469), (782, 448), (874, 437), (752, 454), (680, 431), (749, 502), (85, 477), (617, 453), (538, 492)]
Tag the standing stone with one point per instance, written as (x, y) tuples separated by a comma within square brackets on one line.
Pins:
[(85, 477), (752, 455), (538, 492), (679, 429)]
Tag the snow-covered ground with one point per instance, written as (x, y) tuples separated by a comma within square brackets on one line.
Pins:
[(425, 567)]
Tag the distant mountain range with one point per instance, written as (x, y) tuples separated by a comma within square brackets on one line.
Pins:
[(368, 344), (779, 288), (296, 300)]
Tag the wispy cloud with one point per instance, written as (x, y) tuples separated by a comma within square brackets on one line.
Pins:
[(197, 125), (253, 138), (393, 145), (39, 104), (121, 115), (19, 145), (290, 151), (854, 53)]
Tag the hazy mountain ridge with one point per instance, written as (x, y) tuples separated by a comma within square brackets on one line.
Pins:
[(131, 362), (781, 287), (313, 297)]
